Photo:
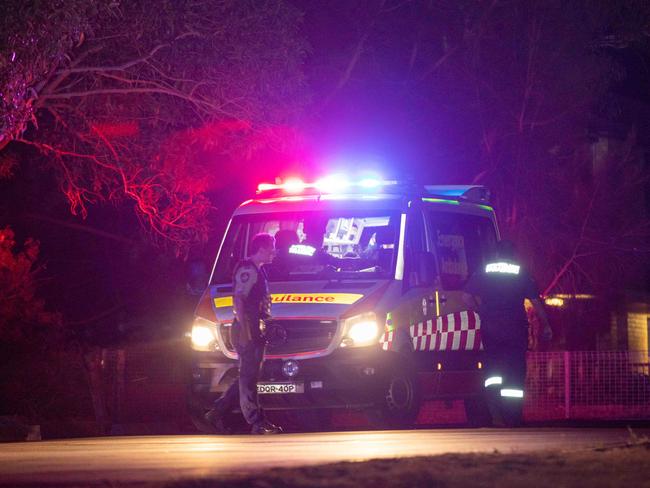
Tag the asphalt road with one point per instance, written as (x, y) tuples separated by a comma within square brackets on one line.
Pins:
[(174, 457)]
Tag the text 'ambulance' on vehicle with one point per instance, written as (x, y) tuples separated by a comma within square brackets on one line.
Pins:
[(367, 309)]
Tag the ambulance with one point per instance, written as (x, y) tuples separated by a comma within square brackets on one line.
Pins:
[(367, 309)]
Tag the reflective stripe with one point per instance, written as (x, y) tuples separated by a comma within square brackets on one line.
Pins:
[(299, 298), (302, 250), (502, 268), (399, 266), (512, 393), (493, 380)]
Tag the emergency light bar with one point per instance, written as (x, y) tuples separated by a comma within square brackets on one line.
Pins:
[(338, 183), (471, 193), (329, 184)]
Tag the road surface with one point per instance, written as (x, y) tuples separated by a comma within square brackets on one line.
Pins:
[(174, 457)]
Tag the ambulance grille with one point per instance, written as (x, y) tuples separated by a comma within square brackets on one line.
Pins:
[(293, 336)]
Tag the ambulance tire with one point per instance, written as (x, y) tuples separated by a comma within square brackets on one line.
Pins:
[(196, 409), (477, 412), (401, 397)]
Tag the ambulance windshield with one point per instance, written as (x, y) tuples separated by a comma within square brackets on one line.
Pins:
[(316, 245)]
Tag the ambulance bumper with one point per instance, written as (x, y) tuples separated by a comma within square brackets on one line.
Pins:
[(347, 378)]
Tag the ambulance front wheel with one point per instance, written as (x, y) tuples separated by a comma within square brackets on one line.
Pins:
[(197, 406), (400, 400)]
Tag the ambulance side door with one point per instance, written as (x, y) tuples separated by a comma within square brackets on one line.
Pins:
[(416, 310), (462, 242)]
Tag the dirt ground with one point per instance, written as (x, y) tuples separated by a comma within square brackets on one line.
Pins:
[(627, 467)]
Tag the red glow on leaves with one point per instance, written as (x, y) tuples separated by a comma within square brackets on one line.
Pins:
[(168, 180), (18, 271), (117, 129), (201, 158)]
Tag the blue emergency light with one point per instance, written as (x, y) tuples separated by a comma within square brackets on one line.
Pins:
[(339, 183), (336, 183)]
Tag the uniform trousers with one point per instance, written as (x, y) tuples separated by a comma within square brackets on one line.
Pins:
[(505, 352), (244, 391)]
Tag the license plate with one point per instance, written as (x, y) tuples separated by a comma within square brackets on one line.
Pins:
[(279, 388)]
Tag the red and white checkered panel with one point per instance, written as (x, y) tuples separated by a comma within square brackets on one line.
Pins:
[(458, 331), (386, 340)]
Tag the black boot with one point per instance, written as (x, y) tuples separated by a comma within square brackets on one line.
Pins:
[(265, 428)]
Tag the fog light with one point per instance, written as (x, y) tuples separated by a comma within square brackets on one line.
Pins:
[(290, 368)]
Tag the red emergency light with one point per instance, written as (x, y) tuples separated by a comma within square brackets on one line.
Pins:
[(330, 184)]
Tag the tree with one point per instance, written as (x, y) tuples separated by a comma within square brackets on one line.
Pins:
[(540, 75), (516, 96), (145, 102)]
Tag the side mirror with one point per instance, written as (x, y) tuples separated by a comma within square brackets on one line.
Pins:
[(426, 269), (197, 277)]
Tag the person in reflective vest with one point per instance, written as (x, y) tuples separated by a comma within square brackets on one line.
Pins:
[(252, 307), (498, 291)]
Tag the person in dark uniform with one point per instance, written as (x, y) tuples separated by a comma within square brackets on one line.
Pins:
[(498, 292), (282, 261), (252, 306)]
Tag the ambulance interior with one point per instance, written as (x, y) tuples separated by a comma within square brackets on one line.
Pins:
[(317, 245)]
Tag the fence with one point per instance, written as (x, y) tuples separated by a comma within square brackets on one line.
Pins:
[(587, 385), (149, 384), (145, 384)]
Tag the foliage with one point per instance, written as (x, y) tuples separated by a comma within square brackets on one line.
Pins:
[(39, 378), (518, 96), (540, 76), (20, 308), (149, 102)]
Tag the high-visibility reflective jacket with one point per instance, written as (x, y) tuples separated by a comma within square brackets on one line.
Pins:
[(502, 288)]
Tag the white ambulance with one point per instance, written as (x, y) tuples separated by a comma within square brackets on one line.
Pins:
[(366, 289)]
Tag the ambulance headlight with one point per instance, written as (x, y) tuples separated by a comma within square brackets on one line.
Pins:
[(361, 330), (204, 335)]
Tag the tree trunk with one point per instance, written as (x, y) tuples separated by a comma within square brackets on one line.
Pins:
[(94, 362)]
